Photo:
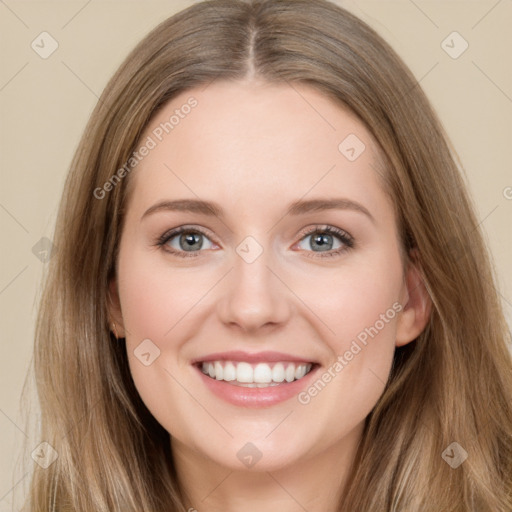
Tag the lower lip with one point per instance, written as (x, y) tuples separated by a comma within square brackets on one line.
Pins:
[(256, 397)]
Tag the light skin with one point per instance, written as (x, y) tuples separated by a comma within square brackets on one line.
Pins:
[(254, 148)]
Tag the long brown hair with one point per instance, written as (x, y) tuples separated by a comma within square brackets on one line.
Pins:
[(452, 384)]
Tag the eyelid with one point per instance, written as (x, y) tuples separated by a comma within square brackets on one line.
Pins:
[(162, 240), (345, 238), (171, 233), (325, 228)]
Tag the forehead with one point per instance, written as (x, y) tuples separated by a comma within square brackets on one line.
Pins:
[(248, 142)]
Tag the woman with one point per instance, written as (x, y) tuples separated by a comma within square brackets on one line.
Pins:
[(252, 372)]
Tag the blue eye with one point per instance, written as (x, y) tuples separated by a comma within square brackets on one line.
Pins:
[(190, 241), (322, 238)]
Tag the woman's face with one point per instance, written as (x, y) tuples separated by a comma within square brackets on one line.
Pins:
[(289, 262)]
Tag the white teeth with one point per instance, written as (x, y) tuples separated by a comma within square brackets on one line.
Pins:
[(300, 371), (229, 372), (244, 372), (278, 372), (289, 373), (260, 375), (219, 372)]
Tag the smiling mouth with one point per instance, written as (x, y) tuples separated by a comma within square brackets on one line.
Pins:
[(259, 375)]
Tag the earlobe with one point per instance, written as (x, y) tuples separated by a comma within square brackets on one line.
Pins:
[(115, 316), (417, 307)]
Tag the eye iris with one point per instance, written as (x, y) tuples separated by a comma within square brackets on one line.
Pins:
[(322, 241), (190, 240)]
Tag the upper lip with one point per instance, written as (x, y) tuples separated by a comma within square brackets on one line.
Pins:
[(254, 357)]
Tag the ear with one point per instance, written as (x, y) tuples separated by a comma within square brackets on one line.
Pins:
[(114, 309), (417, 304)]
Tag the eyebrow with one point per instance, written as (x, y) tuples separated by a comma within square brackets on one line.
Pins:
[(296, 208)]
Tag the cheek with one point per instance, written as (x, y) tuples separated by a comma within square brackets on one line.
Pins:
[(153, 297), (154, 303), (361, 309), (354, 300), (366, 313)]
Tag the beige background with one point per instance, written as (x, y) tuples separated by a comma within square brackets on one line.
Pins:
[(45, 103)]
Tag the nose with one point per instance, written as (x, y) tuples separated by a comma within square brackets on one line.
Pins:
[(254, 296)]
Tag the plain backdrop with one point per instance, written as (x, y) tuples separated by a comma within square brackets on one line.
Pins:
[(45, 103)]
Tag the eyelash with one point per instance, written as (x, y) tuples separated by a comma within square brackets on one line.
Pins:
[(343, 236)]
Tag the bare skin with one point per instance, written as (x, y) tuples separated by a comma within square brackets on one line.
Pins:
[(254, 148)]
